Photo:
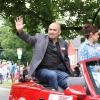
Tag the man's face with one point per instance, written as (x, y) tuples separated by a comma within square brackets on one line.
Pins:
[(54, 30)]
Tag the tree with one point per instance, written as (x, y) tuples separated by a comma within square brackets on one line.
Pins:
[(74, 13), (9, 43)]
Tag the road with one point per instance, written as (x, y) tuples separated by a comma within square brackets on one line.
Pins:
[(4, 93)]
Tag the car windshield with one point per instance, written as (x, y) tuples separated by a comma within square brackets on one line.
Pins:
[(94, 72)]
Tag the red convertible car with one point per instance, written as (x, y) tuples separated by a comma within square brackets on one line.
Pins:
[(36, 91)]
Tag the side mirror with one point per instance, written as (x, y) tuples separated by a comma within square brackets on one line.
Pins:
[(77, 90)]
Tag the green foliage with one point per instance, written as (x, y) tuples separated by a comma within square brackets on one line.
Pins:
[(74, 13), (43, 12), (9, 42)]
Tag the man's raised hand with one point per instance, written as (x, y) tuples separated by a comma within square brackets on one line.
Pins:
[(19, 24)]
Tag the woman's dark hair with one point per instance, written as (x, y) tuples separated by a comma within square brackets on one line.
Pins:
[(88, 28)]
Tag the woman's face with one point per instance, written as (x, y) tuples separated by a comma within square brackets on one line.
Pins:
[(95, 36)]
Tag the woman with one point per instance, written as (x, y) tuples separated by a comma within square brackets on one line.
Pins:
[(90, 48)]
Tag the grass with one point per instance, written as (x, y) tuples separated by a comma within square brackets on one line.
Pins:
[(6, 84)]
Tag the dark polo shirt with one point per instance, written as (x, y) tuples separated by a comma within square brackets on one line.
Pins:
[(52, 58)]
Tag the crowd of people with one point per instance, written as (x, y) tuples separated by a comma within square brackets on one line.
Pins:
[(9, 71)]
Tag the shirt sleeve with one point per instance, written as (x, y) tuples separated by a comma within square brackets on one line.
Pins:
[(82, 53), (27, 38)]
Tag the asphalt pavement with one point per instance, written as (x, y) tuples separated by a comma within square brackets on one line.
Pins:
[(4, 93)]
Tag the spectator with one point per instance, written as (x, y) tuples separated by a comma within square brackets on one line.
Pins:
[(12, 68)]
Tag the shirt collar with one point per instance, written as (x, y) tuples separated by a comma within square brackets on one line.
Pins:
[(89, 43), (52, 40)]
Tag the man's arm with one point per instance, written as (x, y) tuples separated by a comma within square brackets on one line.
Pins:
[(19, 25)]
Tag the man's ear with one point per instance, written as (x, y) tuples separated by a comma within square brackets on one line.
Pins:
[(59, 32)]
